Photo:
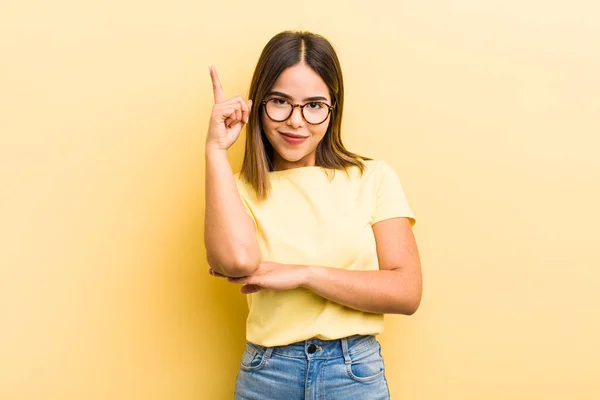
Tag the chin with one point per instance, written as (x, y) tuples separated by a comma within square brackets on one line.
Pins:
[(290, 156), (296, 156)]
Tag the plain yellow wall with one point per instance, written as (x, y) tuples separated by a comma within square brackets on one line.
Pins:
[(488, 110)]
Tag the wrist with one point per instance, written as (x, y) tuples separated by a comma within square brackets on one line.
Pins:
[(214, 150), (309, 275)]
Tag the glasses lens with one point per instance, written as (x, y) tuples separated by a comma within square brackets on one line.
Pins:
[(315, 112), (278, 109)]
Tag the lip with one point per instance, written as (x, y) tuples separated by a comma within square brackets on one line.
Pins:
[(293, 138)]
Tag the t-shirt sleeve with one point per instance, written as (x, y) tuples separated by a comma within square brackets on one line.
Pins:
[(390, 200)]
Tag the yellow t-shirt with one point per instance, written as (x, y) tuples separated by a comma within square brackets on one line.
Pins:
[(312, 219)]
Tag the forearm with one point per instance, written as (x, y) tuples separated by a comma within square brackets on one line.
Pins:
[(381, 291), (229, 233)]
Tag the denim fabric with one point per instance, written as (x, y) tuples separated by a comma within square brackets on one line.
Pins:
[(348, 368)]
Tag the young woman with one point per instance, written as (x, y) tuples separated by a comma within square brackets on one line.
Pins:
[(319, 238)]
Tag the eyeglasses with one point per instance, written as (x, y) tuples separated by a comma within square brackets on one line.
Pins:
[(314, 112)]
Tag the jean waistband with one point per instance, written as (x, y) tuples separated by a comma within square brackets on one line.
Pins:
[(321, 349)]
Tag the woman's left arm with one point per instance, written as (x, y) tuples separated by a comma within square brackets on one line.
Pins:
[(394, 289)]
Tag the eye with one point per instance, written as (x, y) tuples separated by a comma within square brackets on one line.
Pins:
[(279, 102), (314, 105)]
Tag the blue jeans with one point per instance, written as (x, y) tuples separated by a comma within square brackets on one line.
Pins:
[(348, 368)]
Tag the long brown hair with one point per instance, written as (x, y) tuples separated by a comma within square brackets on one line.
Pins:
[(282, 51)]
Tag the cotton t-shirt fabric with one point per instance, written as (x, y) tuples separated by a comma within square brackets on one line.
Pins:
[(316, 216)]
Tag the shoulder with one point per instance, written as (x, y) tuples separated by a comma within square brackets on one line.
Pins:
[(375, 164), (371, 175), (377, 169)]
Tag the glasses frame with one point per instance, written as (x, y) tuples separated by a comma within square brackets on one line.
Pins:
[(329, 108)]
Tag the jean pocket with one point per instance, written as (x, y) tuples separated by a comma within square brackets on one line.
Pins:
[(253, 359), (366, 366)]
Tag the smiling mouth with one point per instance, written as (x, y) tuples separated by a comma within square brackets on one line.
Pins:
[(292, 135)]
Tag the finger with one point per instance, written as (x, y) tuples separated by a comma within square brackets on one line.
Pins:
[(215, 273), (235, 124), (240, 281), (228, 114), (232, 121), (234, 118), (216, 83), (246, 110), (234, 109), (243, 107), (229, 111), (248, 289)]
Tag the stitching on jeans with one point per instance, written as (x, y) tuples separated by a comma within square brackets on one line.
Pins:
[(259, 349), (351, 351), (261, 364), (286, 355), (306, 378), (367, 379), (361, 347), (322, 380)]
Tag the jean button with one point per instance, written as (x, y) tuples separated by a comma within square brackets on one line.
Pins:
[(312, 348)]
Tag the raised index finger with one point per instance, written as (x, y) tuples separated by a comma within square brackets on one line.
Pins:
[(217, 89)]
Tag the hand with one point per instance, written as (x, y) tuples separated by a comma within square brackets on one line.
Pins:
[(246, 289), (270, 275), (227, 118)]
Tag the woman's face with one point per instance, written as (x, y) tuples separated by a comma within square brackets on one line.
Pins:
[(294, 140)]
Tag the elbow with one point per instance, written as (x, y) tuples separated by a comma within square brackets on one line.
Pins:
[(409, 305), (239, 265), (235, 264), (411, 309), (407, 308), (409, 299)]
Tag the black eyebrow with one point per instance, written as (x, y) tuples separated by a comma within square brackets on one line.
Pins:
[(281, 94)]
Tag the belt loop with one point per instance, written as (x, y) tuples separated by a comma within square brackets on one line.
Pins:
[(345, 350), (268, 352)]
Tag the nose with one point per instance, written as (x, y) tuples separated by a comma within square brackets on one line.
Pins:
[(295, 120)]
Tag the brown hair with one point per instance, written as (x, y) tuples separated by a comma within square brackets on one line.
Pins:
[(282, 51)]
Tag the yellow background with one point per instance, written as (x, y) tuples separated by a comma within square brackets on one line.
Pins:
[(488, 110)]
